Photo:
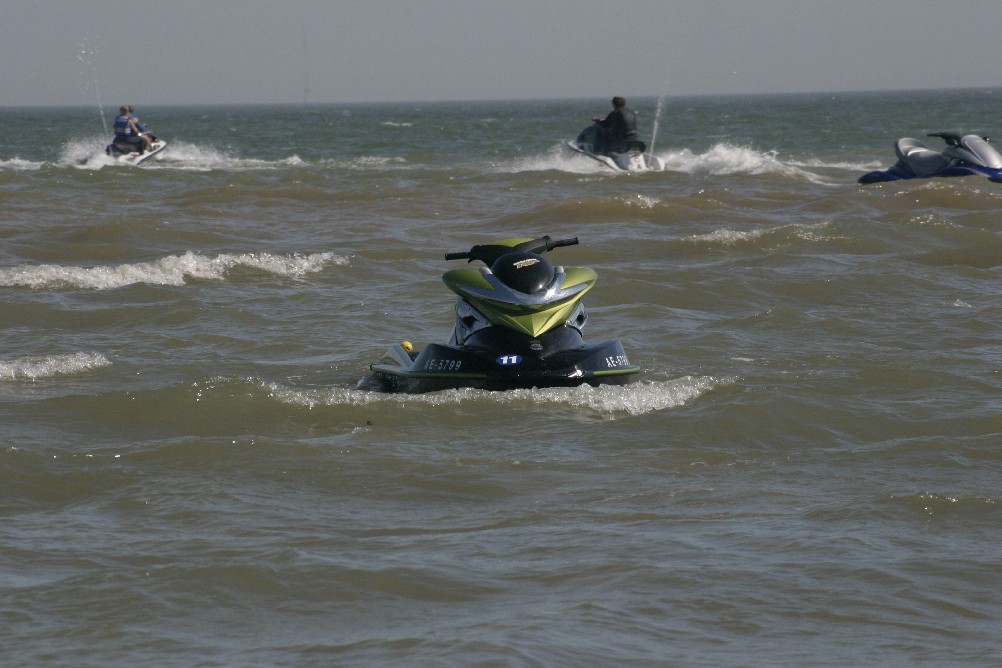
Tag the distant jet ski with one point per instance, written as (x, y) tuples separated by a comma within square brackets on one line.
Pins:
[(634, 159), (133, 154), (963, 156), (129, 153)]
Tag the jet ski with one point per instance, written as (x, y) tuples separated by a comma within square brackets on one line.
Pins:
[(963, 156), (518, 325), (633, 159), (134, 154)]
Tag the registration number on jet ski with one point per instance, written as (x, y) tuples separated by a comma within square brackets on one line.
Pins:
[(617, 360), (438, 364)]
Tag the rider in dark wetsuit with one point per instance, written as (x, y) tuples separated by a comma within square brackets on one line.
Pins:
[(617, 130)]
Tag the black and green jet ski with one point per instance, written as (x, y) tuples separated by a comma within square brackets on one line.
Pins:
[(518, 325)]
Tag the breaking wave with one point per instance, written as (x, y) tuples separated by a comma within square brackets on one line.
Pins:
[(726, 159), (35, 367), (610, 401), (17, 164), (171, 270), (811, 232)]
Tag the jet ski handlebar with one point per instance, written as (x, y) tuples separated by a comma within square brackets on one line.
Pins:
[(488, 253), (951, 138)]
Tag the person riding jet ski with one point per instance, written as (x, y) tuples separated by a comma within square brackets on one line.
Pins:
[(617, 132), (128, 130)]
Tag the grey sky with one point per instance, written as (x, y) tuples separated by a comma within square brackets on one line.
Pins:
[(82, 52)]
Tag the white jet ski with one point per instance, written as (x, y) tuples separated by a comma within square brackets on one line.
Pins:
[(129, 153), (634, 159)]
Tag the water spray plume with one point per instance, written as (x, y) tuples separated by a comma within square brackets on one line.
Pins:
[(86, 61), (657, 114)]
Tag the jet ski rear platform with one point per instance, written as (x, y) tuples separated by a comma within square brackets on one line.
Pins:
[(564, 361)]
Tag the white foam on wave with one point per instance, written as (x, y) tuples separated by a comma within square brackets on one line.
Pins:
[(610, 401), (848, 166), (634, 399), (729, 237), (366, 162), (85, 153), (17, 164), (171, 270), (559, 158), (726, 159), (187, 156), (640, 201), (35, 367), (720, 160)]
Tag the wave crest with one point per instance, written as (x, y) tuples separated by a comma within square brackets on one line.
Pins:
[(17, 164), (726, 159), (608, 400), (171, 270), (35, 367)]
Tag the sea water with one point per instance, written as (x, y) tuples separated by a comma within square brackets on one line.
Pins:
[(807, 472)]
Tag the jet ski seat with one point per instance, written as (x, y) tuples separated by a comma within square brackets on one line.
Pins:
[(919, 158)]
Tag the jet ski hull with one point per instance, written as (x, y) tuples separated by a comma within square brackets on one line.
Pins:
[(135, 157), (627, 161), (558, 359), (900, 172)]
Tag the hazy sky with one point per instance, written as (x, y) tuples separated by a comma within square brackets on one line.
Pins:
[(83, 52)]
